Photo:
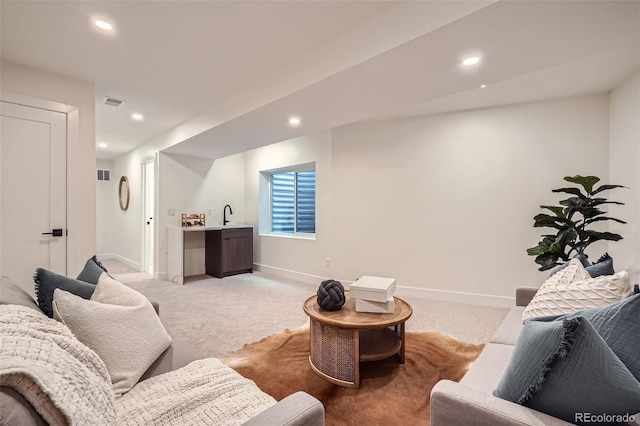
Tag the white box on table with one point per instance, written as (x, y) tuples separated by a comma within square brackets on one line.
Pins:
[(376, 289), (387, 307)]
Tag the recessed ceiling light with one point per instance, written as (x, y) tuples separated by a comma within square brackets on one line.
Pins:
[(294, 121), (471, 60), (483, 86), (102, 145), (137, 116), (103, 25)]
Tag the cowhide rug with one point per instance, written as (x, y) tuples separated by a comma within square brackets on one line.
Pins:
[(389, 393)]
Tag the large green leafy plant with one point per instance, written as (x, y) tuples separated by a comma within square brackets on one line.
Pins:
[(571, 220)]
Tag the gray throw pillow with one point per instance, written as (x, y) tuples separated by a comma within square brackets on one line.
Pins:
[(91, 271), (47, 281), (580, 256), (565, 369), (618, 324), (603, 266)]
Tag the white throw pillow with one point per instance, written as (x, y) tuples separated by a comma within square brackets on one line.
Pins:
[(119, 324), (572, 290)]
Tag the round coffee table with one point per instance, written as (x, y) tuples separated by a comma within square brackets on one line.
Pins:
[(341, 340)]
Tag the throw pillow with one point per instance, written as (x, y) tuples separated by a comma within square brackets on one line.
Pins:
[(91, 271), (618, 324), (580, 256), (603, 266), (564, 368), (579, 295), (47, 281), (119, 324), (544, 301)]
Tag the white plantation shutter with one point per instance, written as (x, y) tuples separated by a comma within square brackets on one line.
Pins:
[(293, 202), (282, 202), (306, 202)]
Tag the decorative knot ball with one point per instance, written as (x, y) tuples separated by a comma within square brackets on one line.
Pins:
[(331, 295)]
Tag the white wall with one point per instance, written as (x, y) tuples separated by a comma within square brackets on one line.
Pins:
[(624, 163), (81, 188), (106, 203), (446, 202), (283, 255), (126, 234), (194, 185), (443, 203)]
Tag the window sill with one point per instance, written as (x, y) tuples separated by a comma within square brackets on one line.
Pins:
[(298, 236)]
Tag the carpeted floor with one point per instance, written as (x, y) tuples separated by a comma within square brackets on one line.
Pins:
[(221, 315)]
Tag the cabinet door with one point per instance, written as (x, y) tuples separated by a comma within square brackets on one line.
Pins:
[(237, 251)]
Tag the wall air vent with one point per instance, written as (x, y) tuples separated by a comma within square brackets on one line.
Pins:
[(112, 101), (104, 174)]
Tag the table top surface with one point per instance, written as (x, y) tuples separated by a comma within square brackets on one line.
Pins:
[(347, 317)]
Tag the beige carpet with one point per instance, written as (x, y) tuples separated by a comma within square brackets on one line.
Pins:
[(221, 315), (389, 394)]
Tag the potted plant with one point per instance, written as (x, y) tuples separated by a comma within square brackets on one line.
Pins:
[(571, 220)]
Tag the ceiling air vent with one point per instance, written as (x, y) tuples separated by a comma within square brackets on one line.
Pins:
[(112, 101)]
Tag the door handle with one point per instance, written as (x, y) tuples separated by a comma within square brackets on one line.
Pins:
[(54, 232)]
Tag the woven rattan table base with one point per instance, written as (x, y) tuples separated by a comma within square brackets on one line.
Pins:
[(340, 340)]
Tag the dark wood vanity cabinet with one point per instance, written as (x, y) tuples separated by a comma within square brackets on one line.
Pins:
[(228, 251)]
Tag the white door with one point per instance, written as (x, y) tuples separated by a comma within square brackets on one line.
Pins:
[(148, 188), (33, 196)]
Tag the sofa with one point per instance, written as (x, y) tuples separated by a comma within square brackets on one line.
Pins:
[(471, 401), (296, 409)]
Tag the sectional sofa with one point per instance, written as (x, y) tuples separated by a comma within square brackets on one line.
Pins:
[(472, 400), (297, 409)]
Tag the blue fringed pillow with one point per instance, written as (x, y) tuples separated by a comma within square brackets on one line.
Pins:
[(618, 324), (580, 256), (91, 271), (564, 367), (47, 281), (603, 266)]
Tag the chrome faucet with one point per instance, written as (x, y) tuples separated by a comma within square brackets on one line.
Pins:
[(224, 214)]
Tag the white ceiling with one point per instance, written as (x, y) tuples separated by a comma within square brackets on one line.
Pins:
[(226, 75)]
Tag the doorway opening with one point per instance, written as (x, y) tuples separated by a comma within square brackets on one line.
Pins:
[(148, 189)]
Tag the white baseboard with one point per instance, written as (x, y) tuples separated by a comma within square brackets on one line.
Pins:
[(401, 291), (286, 273), (128, 262), (457, 297)]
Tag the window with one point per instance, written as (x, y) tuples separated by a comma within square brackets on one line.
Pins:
[(292, 200)]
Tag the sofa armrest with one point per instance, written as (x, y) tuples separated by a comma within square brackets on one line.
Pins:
[(454, 404), (298, 409), (524, 295)]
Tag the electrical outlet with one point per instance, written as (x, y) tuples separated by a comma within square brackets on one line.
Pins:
[(327, 262), (171, 212)]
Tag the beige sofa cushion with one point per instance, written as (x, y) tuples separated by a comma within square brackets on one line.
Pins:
[(486, 371), (507, 333), (119, 324), (12, 294)]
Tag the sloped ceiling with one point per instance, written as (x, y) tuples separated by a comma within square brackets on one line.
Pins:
[(217, 78)]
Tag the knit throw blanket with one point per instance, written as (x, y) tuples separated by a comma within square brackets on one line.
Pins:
[(205, 392), (65, 381)]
